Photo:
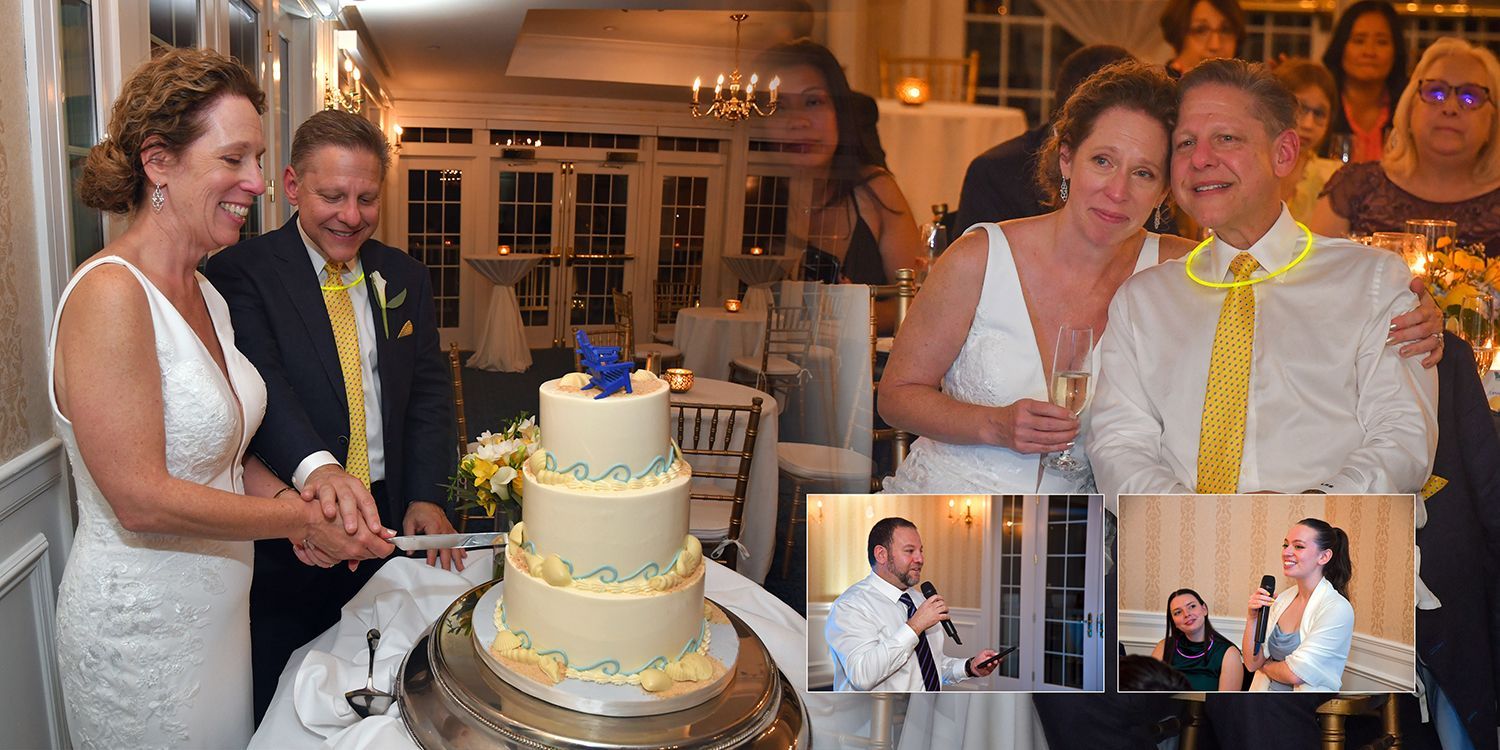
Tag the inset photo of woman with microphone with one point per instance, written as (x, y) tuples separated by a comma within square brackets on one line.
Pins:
[(1310, 593), (940, 593)]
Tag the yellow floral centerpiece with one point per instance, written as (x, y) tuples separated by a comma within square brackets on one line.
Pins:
[(1464, 283), (489, 479)]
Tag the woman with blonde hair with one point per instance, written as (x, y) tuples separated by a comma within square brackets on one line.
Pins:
[(1442, 162)]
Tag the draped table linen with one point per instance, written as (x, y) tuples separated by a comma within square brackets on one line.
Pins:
[(502, 337), (403, 599), (758, 532), (928, 147), (758, 272), (709, 337)]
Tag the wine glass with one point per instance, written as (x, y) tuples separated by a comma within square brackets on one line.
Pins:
[(1477, 325), (1071, 372)]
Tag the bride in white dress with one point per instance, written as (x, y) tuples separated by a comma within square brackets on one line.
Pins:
[(156, 406)]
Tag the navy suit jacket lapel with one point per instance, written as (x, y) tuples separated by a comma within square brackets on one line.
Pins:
[(307, 298)]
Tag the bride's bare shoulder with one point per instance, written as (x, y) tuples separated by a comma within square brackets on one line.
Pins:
[(1173, 247)]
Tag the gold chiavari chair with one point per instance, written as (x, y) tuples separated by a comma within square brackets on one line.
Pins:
[(710, 442), (949, 79), (461, 426), (1332, 715), (640, 351), (903, 291), (779, 369), (671, 296)]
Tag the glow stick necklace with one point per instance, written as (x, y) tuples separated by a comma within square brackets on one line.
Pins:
[(360, 279), (1306, 249)]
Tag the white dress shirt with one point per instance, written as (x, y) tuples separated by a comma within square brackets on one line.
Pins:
[(359, 296), (874, 649), (1324, 635), (1330, 407)]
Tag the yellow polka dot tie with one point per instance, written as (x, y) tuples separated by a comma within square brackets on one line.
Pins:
[(346, 338), (1222, 439)]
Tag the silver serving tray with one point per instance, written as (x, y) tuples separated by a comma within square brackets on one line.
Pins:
[(450, 699)]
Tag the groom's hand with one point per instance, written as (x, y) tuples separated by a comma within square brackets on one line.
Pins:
[(429, 518), (341, 494)]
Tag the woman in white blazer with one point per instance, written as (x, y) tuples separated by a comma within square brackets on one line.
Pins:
[(1311, 622)]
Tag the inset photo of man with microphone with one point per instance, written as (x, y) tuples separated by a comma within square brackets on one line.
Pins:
[(930, 593)]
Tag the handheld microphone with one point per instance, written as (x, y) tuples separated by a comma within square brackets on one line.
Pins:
[(929, 591), (1269, 584)]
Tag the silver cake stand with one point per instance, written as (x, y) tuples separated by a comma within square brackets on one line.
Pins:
[(450, 699)]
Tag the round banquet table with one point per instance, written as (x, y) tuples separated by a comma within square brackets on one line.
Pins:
[(709, 337), (928, 148), (502, 337), (758, 272), (758, 533), (402, 600)]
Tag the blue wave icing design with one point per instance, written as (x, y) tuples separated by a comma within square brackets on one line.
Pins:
[(619, 472), (609, 667), (608, 573)]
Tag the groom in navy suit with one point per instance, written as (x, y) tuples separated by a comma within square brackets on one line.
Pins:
[(359, 411)]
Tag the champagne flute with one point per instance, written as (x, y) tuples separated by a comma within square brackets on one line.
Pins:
[(1071, 372)]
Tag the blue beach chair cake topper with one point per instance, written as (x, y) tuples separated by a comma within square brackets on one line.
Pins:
[(606, 371)]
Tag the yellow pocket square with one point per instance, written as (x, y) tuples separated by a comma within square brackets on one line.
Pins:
[(405, 330)]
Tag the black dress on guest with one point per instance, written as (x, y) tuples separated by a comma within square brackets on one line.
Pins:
[(1363, 194), (861, 264)]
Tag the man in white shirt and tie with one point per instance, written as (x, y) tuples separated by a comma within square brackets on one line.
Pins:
[(1259, 362), (883, 634)]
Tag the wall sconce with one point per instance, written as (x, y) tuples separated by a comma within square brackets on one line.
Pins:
[(398, 130), (912, 91), (967, 517)]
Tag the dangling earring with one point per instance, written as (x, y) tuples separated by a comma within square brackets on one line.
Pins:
[(1161, 216), (158, 198), (1062, 192)]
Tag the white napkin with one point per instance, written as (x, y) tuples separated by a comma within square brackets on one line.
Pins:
[(400, 600)]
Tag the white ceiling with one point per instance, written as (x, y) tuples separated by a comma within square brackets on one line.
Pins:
[(477, 49)]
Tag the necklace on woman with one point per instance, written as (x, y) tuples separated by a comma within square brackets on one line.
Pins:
[(1207, 647)]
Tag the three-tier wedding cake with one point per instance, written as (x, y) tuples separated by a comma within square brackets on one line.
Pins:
[(602, 582)]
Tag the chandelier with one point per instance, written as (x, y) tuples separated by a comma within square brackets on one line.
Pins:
[(335, 97), (732, 107)]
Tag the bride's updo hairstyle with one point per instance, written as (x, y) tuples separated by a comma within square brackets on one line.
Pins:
[(1128, 84), (162, 103)]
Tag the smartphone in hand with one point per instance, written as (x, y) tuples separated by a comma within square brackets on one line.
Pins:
[(993, 659)]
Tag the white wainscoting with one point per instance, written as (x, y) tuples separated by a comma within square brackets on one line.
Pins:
[(36, 531), (820, 664), (1375, 664)]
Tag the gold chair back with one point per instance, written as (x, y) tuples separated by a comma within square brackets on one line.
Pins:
[(903, 291), (457, 369), (949, 79), (672, 296), (708, 430)]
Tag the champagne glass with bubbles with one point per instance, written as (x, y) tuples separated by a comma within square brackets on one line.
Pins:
[(1071, 372)]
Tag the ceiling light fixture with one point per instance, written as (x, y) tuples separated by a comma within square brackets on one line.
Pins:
[(732, 107)]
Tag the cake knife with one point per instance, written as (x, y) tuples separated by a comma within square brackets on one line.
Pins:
[(449, 541)]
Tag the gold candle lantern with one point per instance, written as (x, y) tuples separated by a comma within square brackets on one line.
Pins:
[(505, 249), (757, 250), (679, 379), (732, 305)]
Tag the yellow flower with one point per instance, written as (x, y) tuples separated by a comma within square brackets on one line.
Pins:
[(1444, 242), (1492, 273), (486, 501), (1456, 295), (1466, 262), (483, 470), (516, 484)]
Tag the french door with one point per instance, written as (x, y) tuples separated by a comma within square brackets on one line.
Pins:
[(1050, 595), (585, 216)]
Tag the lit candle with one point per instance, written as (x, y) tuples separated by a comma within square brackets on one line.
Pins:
[(697, 84), (719, 85), (750, 90), (505, 249), (355, 73), (679, 379), (775, 84), (732, 305), (757, 250)]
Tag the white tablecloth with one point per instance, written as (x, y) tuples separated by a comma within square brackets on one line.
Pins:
[(758, 272), (929, 147), (502, 338), (759, 531), (709, 337), (404, 588)]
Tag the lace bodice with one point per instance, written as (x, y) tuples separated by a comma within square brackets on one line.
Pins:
[(998, 364), (148, 624)]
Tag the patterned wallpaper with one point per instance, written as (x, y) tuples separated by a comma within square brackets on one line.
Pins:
[(24, 414), (1220, 546), (952, 551)]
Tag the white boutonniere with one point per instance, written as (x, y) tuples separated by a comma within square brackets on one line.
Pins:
[(385, 305)]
